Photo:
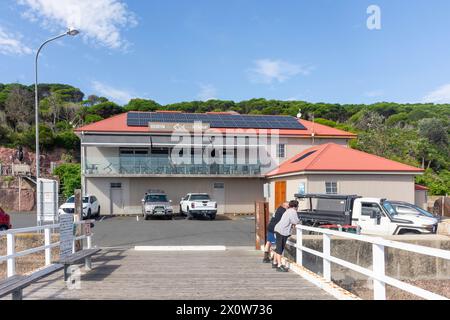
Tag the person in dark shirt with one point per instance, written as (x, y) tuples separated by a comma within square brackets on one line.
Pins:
[(270, 230)]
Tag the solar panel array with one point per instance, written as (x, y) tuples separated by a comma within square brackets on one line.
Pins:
[(141, 119)]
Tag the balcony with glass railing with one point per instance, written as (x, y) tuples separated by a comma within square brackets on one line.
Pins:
[(146, 165)]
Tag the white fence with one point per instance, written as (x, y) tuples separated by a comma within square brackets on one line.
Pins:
[(11, 253), (380, 279)]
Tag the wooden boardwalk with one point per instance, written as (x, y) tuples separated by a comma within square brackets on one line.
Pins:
[(129, 274)]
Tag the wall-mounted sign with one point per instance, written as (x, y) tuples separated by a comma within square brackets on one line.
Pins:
[(177, 126)]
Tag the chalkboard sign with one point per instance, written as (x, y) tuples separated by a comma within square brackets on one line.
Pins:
[(65, 235)]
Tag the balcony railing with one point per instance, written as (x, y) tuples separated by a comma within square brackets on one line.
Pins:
[(163, 166)]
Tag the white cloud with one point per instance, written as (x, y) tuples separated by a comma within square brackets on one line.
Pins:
[(268, 71), (118, 95), (11, 44), (100, 21), (440, 95), (207, 92)]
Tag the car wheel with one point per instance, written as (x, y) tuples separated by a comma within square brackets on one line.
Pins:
[(181, 211), (98, 213), (3, 228), (145, 217), (189, 215), (89, 213), (212, 217)]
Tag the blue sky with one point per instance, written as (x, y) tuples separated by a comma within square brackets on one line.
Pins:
[(173, 51)]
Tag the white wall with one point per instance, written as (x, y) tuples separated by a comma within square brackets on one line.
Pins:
[(240, 193), (393, 187), (296, 145), (421, 199)]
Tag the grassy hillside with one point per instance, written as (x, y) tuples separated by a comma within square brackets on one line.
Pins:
[(416, 134)]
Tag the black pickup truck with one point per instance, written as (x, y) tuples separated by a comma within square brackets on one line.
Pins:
[(325, 209)]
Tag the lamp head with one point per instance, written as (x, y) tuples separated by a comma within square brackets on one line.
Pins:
[(73, 32)]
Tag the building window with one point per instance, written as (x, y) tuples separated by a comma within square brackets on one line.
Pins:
[(219, 185), (116, 185), (331, 188), (281, 150)]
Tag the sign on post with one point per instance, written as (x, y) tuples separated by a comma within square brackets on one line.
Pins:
[(47, 201), (65, 235)]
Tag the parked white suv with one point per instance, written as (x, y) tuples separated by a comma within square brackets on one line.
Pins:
[(198, 205), (156, 204), (91, 207)]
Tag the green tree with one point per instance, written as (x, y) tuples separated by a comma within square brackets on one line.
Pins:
[(106, 109), (142, 105), (92, 118), (19, 106), (434, 130), (70, 177)]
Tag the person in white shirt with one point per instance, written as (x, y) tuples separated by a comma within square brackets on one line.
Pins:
[(283, 232)]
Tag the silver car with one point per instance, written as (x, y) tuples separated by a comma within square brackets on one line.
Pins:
[(156, 204)]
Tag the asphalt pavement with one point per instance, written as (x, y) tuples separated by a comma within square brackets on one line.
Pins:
[(127, 232)]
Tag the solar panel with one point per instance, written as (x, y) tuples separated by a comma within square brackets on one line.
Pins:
[(141, 119)]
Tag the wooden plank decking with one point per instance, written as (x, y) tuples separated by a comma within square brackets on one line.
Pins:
[(129, 274)]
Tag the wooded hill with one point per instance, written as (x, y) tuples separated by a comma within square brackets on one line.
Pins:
[(415, 134)]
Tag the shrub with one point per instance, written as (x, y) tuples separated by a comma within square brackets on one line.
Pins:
[(70, 176)]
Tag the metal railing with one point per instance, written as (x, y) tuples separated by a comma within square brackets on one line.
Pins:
[(11, 253), (163, 165), (380, 279)]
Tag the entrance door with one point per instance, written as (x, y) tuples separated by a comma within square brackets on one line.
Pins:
[(116, 196), (219, 196), (280, 193)]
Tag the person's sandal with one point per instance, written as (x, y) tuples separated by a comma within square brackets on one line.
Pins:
[(282, 269), (274, 265)]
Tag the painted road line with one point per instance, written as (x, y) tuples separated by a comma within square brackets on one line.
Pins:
[(180, 248)]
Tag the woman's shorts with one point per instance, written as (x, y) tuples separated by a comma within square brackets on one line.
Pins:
[(271, 237)]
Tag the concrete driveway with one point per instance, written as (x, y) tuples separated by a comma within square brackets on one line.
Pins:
[(127, 232)]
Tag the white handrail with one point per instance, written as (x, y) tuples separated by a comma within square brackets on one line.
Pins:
[(11, 253), (378, 260)]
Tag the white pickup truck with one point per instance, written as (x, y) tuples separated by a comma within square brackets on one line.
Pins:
[(373, 216), (195, 205)]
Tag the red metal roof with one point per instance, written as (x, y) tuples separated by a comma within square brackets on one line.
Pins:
[(420, 187), (334, 157), (118, 123)]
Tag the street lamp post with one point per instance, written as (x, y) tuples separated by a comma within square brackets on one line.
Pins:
[(70, 32)]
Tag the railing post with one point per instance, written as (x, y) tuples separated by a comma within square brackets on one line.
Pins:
[(326, 254), (88, 234), (10, 250), (378, 265), (48, 251), (299, 244)]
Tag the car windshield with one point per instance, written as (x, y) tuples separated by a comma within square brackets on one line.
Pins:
[(418, 210), (156, 198), (389, 208), (72, 199), (200, 197)]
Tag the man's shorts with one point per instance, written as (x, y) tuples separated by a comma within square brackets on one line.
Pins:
[(271, 237), (280, 243)]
